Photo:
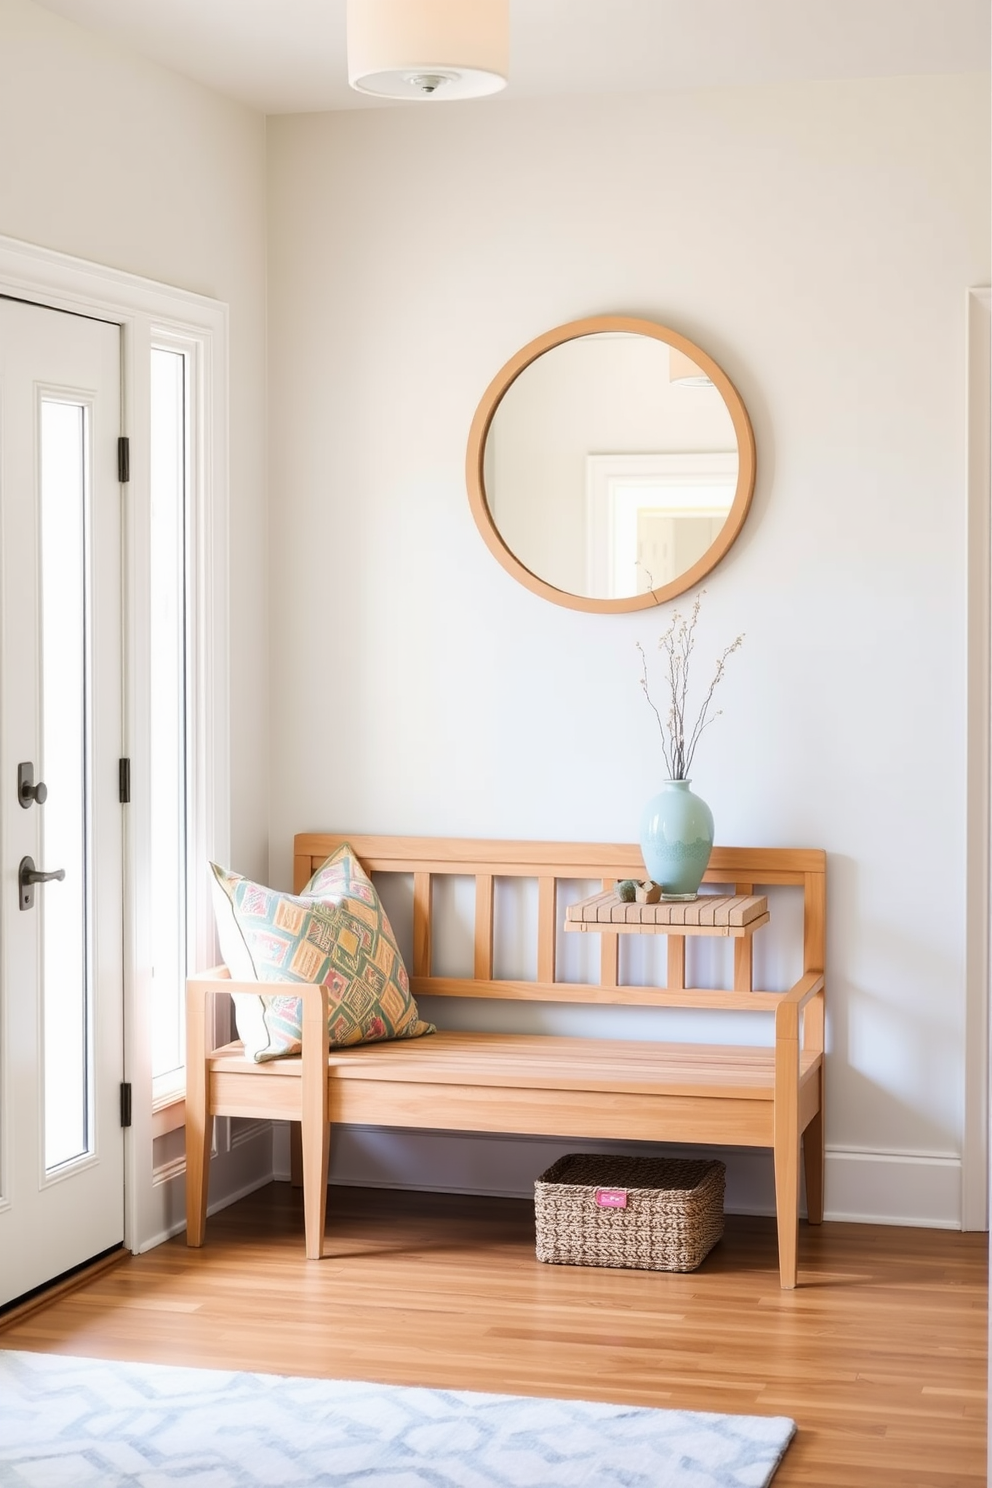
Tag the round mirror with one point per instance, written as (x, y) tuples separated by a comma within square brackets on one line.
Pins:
[(610, 464)]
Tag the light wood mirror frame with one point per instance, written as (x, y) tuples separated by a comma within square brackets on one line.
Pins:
[(486, 411)]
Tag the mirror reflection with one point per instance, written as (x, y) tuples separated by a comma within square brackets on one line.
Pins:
[(610, 467)]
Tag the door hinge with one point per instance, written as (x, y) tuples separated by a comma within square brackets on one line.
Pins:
[(125, 1103), (123, 459), (124, 781)]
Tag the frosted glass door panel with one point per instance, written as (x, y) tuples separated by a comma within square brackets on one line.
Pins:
[(63, 906)]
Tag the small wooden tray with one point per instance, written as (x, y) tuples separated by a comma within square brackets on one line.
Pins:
[(733, 915)]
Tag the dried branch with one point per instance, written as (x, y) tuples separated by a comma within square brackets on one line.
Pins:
[(678, 746), (661, 726)]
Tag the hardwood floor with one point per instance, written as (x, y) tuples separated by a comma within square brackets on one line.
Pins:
[(880, 1355)]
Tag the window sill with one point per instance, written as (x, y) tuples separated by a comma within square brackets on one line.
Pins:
[(168, 1103)]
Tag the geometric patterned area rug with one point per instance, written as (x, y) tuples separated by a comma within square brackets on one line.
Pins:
[(92, 1423)]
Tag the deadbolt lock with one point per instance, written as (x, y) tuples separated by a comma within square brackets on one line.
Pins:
[(27, 792)]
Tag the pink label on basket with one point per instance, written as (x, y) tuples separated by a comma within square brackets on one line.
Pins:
[(611, 1198)]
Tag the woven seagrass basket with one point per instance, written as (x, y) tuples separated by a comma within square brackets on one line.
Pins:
[(656, 1214)]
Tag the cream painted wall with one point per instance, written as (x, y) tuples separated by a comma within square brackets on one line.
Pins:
[(110, 158), (818, 241)]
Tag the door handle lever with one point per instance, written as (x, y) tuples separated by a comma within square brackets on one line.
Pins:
[(28, 875)]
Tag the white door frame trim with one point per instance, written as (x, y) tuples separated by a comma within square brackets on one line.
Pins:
[(145, 309), (975, 1147)]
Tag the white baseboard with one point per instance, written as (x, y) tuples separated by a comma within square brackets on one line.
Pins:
[(863, 1187), (905, 1188)]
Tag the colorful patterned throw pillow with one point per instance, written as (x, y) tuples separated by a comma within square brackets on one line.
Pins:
[(336, 933)]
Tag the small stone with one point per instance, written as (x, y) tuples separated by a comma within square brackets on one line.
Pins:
[(627, 890), (647, 892)]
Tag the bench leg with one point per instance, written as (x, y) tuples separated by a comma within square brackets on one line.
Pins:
[(787, 1209), (199, 1140), (786, 1138), (199, 1121), (315, 1127), (813, 1164), (316, 1152)]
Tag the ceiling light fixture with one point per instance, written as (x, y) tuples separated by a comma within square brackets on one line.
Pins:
[(428, 48)]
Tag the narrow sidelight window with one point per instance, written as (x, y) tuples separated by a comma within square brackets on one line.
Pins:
[(169, 746)]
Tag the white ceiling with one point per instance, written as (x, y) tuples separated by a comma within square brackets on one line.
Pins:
[(288, 56)]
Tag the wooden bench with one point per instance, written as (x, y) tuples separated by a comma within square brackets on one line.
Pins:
[(714, 1094)]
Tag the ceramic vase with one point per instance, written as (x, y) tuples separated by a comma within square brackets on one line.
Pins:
[(676, 839)]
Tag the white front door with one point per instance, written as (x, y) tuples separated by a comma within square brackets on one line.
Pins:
[(61, 996)]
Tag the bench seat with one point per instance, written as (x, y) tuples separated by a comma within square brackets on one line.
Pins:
[(534, 1062)]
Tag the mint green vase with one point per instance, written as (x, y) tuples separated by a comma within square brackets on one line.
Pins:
[(676, 839)]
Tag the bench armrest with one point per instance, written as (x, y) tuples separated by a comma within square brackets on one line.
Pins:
[(792, 1004), (199, 991), (207, 984)]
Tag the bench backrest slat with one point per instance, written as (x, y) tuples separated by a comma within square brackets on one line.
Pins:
[(744, 870)]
